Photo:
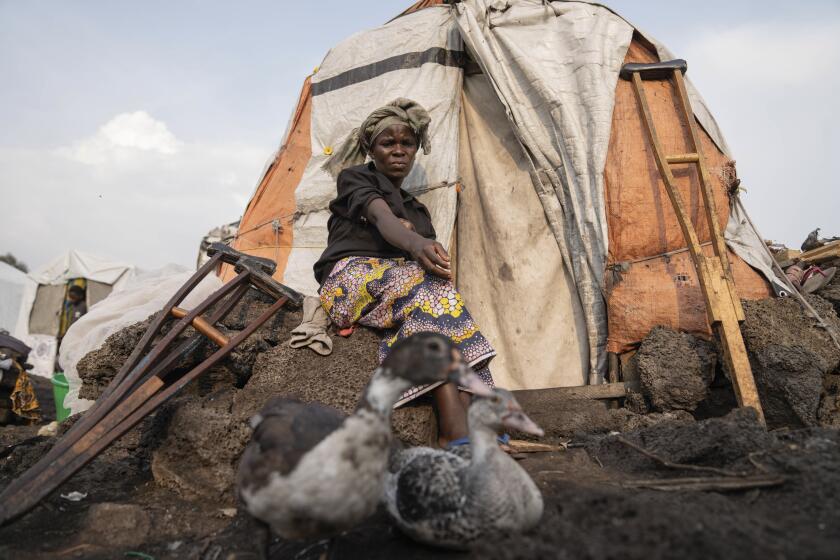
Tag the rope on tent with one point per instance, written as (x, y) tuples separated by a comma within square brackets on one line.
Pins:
[(266, 223), (783, 277)]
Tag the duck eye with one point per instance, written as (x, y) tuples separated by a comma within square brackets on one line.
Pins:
[(497, 400), (435, 346)]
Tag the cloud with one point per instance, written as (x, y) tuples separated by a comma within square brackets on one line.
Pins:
[(124, 137), (772, 88), (132, 191)]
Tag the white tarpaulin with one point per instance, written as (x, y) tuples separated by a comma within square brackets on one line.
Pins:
[(134, 301), (12, 284), (555, 66), (77, 264), (418, 56), (748, 244), (509, 268)]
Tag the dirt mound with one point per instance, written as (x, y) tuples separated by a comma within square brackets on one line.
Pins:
[(789, 355), (781, 322), (831, 291), (336, 380), (718, 442), (98, 368), (589, 514), (166, 488), (201, 441), (829, 411), (204, 432)]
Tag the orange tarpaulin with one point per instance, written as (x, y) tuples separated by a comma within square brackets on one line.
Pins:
[(266, 226), (643, 292)]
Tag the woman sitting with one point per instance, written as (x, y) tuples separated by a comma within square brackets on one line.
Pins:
[(382, 267)]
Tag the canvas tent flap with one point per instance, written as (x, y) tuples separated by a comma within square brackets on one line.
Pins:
[(745, 242), (265, 229), (509, 267), (642, 222), (555, 67), (12, 283), (46, 310), (418, 56)]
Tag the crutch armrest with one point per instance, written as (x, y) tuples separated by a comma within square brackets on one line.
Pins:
[(653, 70)]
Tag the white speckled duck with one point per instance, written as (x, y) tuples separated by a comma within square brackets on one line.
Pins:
[(443, 499), (310, 471)]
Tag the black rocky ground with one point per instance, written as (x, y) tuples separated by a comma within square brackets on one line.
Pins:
[(166, 489)]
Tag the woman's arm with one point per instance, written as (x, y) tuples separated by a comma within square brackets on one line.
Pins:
[(427, 252)]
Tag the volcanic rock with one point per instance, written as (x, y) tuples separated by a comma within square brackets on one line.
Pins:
[(674, 369)]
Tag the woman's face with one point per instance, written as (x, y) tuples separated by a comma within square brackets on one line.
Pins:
[(393, 152)]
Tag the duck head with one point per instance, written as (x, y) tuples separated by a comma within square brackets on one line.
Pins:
[(501, 411), (427, 357)]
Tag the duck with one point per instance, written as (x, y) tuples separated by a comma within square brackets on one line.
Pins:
[(310, 471), (451, 499)]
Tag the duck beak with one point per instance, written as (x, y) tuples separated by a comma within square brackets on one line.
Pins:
[(465, 377), (516, 419)]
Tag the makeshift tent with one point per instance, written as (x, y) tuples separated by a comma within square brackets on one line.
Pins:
[(12, 282), (43, 297), (566, 244)]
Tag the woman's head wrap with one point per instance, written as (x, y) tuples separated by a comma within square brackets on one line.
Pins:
[(355, 149)]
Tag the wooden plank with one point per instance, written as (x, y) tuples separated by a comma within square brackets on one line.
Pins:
[(827, 251), (736, 360), (522, 446), (707, 483), (683, 158), (604, 391)]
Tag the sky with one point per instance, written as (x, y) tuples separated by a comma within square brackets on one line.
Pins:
[(129, 129)]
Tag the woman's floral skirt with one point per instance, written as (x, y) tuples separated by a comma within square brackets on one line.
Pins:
[(400, 298)]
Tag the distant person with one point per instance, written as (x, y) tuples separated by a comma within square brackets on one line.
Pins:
[(75, 307)]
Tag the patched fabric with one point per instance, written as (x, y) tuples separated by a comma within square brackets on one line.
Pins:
[(24, 402), (400, 298)]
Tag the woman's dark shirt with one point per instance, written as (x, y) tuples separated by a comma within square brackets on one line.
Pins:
[(350, 234)]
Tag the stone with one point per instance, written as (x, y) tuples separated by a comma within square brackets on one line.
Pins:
[(200, 447), (671, 372), (116, 525)]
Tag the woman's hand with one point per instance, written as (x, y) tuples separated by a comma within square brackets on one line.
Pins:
[(431, 255), (428, 253)]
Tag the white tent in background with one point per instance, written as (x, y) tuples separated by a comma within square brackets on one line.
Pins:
[(43, 297), (12, 283)]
